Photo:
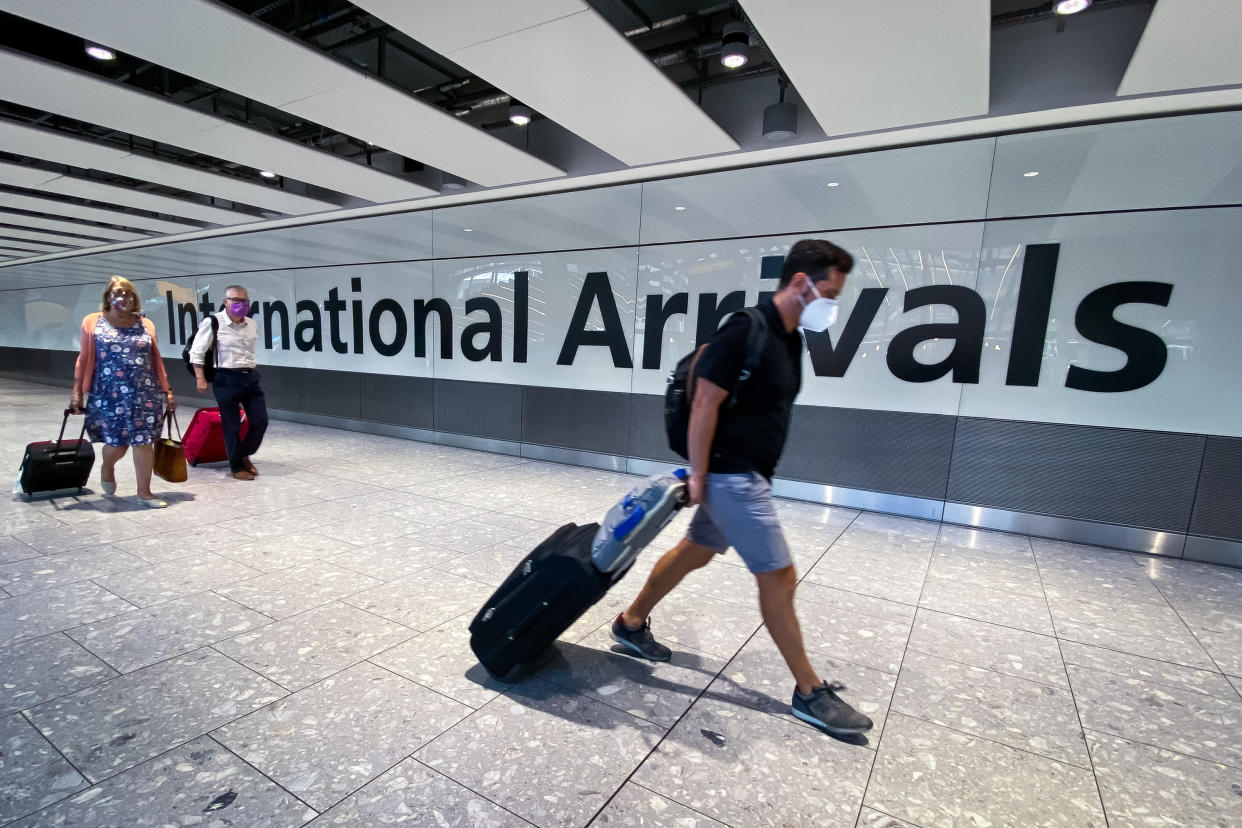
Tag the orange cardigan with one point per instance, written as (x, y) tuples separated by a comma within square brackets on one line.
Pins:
[(84, 370)]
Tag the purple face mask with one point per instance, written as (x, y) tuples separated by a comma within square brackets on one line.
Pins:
[(239, 308)]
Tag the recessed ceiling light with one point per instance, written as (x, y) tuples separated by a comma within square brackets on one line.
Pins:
[(1030, 174), (679, 208), (519, 115), (267, 173), (1071, 6), (735, 50), (100, 52), (466, 230), (833, 184)]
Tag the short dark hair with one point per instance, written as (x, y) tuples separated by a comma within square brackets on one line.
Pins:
[(814, 257)]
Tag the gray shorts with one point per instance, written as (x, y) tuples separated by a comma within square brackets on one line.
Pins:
[(738, 511)]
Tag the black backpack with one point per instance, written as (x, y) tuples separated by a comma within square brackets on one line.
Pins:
[(679, 394), (209, 360)]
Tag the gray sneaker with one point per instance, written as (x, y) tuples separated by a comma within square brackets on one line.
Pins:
[(827, 711), (640, 641)]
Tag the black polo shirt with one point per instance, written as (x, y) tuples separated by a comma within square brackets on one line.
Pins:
[(751, 434)]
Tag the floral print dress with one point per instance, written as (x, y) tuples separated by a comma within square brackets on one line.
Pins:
[(126, 406)]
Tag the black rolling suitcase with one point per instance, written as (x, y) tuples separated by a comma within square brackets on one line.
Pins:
[(60, 464), (548, 591)]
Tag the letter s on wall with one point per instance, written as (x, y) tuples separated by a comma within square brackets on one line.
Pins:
[(1146, 353)]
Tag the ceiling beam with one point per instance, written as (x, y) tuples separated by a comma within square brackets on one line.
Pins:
[(69, 209), (92, 230), (1187, 44)]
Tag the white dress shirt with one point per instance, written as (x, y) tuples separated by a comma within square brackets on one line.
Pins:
[(237, 342)]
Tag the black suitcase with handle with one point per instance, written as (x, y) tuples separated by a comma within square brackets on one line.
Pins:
[(58, 464), (548, 591)]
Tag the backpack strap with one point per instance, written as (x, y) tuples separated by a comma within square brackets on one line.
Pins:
[(756, 338)]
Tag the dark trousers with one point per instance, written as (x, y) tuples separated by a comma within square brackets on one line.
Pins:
[(234, 388)]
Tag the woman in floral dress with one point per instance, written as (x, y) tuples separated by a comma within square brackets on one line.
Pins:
[(120, 376)]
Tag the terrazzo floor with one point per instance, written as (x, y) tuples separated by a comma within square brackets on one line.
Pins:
[(294, 650)]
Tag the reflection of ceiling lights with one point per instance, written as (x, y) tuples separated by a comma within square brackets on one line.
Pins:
[(679, 208), (1070, 6), (833, 184), (735, 52), (267, 173), (467, 230), (100, 52), (1030, 174), (519, 114)]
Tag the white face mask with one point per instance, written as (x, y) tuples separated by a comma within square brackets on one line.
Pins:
[(818, 314)]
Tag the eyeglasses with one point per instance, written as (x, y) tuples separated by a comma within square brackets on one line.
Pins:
[(236, 299)]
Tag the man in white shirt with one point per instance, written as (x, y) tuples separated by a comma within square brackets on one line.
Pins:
[(236, 378)]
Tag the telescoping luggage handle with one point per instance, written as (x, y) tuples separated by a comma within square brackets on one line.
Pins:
[(60, 438), (636, 517)]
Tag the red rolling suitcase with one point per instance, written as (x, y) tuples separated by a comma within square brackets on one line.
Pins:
[(203, 440), (53, 465)]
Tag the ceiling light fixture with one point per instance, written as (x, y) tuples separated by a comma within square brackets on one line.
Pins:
[(736, 40), (679, 208), (833, 184), (100, 52), (452, 183), (267, 173), (780, 120), (1030, 174), (519, 115), (1071, 6)]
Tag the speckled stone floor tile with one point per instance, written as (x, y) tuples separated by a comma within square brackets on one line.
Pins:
[(487, 566), (12, 550), (1000, 575), (52, 610), (424, 599), (1147, 669), (990, 646), (545, 737), (43, 668), (364, 530), (598, 668), (392, 559), (1224, 648), (985, 541), (35, 574), (285, 550), (1008, 609), (904, 590), (933, 776), (177, 578), (861, 639), (1237, 684), (758, 677), (64, 538), (1181, 720), (179, 788), (290, 591), (413, 794), (137, 639), (853, 603), (113, 726), (181, 543), (441, 659), (705, 624), (325, 742), (871, 818), (301, 650), (1143, 785), (637, 807), (1013, 711), (32, 773), (744, 767), (1187, 651)]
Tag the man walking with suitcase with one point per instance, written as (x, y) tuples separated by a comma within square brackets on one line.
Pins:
[(236, 378), (733, 451)]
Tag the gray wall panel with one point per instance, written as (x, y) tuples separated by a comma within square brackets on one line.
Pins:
[(335, 393), (405, 401), (883, 451), (282, 387), (1134, 478), (1218, 502), (647, 436), (479, 409), (569, 418)]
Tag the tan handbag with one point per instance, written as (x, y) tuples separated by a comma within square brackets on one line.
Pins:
[(170, 454)]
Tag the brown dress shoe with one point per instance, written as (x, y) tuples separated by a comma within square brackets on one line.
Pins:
[(243, 475), (250, 467)]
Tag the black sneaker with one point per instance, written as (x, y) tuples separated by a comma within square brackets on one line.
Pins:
[(640, 641), (826, 710)]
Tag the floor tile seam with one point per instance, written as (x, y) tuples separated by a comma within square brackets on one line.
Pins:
[(1074, 640), (629, 777), (981, 621), (1236, 766), (1237, 703), (471, 708), (440, 773), (1164, 684), (687, 806), (992, 741), (1062, 688), (809, 580), (1099, 788), (985, 583), (604, 702), (81, 773), (79, 580), (887, 716), (414, 630), (247, 668), (1188, 628), (250, 765)]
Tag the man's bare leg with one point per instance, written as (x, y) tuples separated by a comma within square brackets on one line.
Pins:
[(776, 603), (672, 567)]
